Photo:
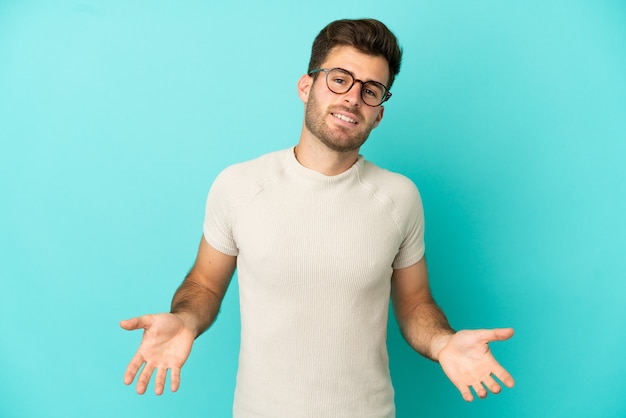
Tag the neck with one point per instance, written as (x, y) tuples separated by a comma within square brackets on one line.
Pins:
[(324, 160)]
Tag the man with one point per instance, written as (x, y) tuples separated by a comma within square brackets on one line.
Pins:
[(321, 238)]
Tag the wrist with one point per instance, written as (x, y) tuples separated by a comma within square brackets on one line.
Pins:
[(438, 343), (189, 321)]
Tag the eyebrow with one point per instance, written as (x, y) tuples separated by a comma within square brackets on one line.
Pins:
[(357, 78)]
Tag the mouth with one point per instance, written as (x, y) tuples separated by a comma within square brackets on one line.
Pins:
[(344, 118)]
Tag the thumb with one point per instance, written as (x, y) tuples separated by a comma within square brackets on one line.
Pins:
[(499, 334), (134, 323)]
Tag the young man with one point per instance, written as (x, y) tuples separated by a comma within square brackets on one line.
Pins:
[(320, 238)]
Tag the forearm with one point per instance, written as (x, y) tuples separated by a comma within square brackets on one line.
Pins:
[(196, 304), (425, 328)]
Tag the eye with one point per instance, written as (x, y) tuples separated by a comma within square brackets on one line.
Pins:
[(371, 93), (373, 90), (341, 79)]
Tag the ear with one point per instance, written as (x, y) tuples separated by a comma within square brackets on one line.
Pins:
[(381, 112), (304, 86)]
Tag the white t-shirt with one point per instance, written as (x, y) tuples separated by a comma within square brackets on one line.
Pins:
[(315, 254)]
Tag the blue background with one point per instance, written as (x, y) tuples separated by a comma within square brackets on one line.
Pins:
[(115, 116)]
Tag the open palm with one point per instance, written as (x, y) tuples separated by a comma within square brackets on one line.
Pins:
[(469, 363), (166, 344)]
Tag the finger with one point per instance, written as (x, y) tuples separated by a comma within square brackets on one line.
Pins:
[(132, 368), (466, 393), (504, 376), (159, 380), (499, 334), (144, 379), (128, 324), (134, 323), (174, 379), (491, 384), (480, 390)]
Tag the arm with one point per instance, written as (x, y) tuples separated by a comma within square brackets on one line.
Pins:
[(422, 323), (199, 297), (168, 337), (464, 356)]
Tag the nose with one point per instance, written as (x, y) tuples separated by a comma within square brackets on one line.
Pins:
[(353, 96)]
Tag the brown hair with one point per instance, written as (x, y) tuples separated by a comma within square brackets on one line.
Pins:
[(369, 36)]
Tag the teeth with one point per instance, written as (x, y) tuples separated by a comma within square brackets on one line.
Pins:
[(344, 118)]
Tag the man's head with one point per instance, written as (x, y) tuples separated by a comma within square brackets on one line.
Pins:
[(352, 64), (368, 36)]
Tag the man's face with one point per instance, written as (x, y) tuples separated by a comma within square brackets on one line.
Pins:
[(343, 122)]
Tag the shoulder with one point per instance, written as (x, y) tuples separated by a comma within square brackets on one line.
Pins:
[(401, 199), (395, 186), (253, 172), (265, 165), (396, 193), (239, 183)]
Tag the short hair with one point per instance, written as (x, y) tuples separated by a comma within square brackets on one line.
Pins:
[(368, 36)]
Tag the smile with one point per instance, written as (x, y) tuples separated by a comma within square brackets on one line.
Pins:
[(344, 118)]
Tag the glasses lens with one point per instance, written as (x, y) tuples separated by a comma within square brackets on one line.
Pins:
[(373, 93), (339, 81)]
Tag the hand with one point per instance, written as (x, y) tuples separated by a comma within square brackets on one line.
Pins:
[(166, 344), (468, 362)]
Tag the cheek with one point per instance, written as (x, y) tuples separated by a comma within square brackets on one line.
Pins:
[(377, 117)]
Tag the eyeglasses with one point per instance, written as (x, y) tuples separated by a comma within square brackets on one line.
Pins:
[(340, 81)]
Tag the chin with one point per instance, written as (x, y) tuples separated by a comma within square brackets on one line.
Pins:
[(343, 146)]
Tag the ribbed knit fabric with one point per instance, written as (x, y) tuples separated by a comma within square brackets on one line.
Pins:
[(315, 255)]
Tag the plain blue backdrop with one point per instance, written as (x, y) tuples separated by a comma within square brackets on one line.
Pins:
[(115, 116)]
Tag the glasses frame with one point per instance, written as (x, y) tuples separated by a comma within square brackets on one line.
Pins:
[(386, 95)]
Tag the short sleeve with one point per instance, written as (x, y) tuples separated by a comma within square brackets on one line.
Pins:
[(218, 217), (412, 248)]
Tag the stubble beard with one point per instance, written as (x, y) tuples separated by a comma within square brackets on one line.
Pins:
[(339, 140)]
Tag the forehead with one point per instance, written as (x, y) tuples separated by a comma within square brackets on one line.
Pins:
[(364, 67)]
